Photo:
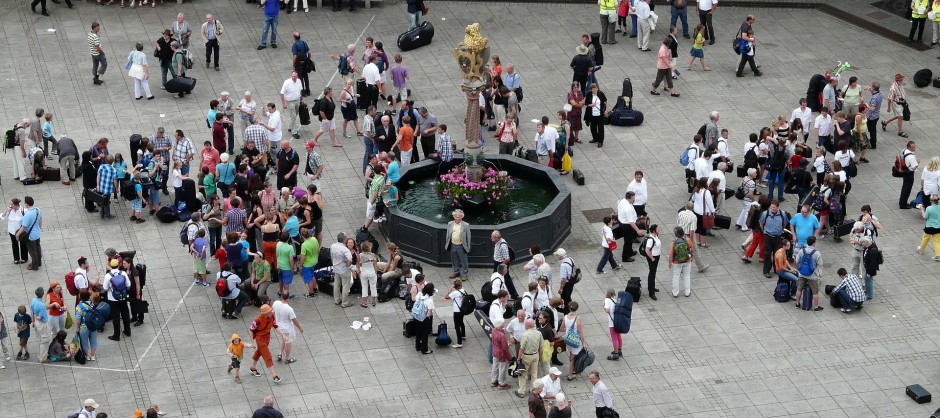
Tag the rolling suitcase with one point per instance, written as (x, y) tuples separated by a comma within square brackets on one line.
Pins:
[(362, 102), (417, 37), (180, 85), (633, 288), (409, 328), (722, 221)]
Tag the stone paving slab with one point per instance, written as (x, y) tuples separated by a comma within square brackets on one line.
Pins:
[(728, 350)]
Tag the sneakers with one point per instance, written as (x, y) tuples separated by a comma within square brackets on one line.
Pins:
[(255, 372), (277, 379), (702, 270), (935, 258), (617, 268), (229, 370), (19, 356), (452, 346), (599, 272)]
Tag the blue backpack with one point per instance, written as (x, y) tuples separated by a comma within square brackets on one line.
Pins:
[(684, 156), (782, 291), (418, 310), (118, 289), (94, 318), (807, 263)]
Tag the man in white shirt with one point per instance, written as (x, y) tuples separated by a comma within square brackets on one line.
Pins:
[(515, 329), (702, 165), (687, 222), (551, 384), (117, 286), (370, 72), (274, 127), (544, 147), (81, 277), (908, 176), (706, 9), (719, 174), (499, 306), (626, 215), (693, 152), (528, 300), (291, 92), (724, 151), (286, 321), (341, 258), (642, 11), (640, 193), (498, 279), (804, 114), (823, 127), (602, 398)]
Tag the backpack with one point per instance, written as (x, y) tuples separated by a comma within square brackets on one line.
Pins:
[(184, 233), (835, 205), (807, 263), (343, 65), (643, 243), (782, 291), (94, 319), (468, 305), (820, 202), (70, 283), (9, 138), (221, 286), (779, 159), (750, 157), (129, 192), (623, 311), (418, 310), (512, 252), (899, 167), (487, 291), (681, 251), (141, 271), (684, 156), (575, 272), (118, 290), (518, 305)]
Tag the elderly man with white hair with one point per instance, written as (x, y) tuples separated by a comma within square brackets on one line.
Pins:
[(350, 57), (719, 174), (457, 241), (501, 355), (20, 157), (211, 31), (711, 129)]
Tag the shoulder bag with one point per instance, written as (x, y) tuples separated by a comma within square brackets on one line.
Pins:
[(24, 237)]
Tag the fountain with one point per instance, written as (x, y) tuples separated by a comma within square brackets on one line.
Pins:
[(534, 207)]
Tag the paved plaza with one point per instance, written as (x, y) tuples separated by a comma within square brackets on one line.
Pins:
[(728, 350)]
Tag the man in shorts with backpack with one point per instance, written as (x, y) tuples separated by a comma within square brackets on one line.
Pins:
[(117, 286), (809, 264)]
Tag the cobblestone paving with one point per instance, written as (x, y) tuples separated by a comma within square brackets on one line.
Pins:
[(728, 350)]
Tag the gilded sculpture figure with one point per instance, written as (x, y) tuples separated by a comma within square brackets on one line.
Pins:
[(472, 55)]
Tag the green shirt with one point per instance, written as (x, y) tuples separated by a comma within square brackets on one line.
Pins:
[(262, 271), (178, 58), (285, 252), (309, 250), (932, 213), (378, 183), (699, 41), (209, 183)]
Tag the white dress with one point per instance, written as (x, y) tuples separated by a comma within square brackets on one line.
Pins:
[(572, 322)]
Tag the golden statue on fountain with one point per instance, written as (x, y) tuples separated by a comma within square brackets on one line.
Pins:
[(472, 55)]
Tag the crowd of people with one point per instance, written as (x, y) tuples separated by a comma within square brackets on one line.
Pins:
[(264, 231)]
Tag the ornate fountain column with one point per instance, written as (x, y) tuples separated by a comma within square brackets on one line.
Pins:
[(472, 55)]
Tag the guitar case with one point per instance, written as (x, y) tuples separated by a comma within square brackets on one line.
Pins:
[(442, 338)]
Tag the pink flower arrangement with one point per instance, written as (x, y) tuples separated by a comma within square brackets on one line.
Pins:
[(456, 186)]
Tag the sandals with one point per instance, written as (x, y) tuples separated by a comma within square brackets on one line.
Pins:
[(707, 69), (570, 377), (290, 360), (363, 305), (279, 357), (902, 134), (674, 94), (654, 93)]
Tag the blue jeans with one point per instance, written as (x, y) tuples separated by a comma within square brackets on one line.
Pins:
[(869, 287), (633, 25), (791, 277), (184, 168), (414, 19), (270, 22), (685, 21), (89, 339), (458, 260), (607, 257), (775, 181), (371, 148), (164, 69), (847, 301)]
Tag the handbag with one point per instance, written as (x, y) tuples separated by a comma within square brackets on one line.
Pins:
[(572, 338), (129, 64), (905, 111), (708, 221), (559, 345), (546, 351), (24, 237), (566, 162), (612, 245), (68, 320)]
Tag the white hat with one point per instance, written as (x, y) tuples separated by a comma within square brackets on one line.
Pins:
[(247, 93), (224, 157), (554, 371), (561, 252), (224, 93), (91, 402), (581, 50)]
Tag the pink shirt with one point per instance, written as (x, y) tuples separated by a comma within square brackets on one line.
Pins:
[(663, 58), (210, 157)]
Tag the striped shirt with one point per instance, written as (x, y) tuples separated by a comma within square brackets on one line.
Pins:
[(236, 220), (501, 251), (259, 135), (94, 42)]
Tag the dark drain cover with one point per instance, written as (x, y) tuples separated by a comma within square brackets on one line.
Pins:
[(597, 215)]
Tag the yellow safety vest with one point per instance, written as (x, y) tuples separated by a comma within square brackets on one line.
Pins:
[(936, 10), (608, 6), (918, 5)]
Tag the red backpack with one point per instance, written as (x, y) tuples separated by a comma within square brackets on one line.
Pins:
[(70, 283), (221, 286), (900, 166)]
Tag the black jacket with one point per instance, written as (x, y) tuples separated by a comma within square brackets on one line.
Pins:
[(871, 258), (390, 136), (581, 64)]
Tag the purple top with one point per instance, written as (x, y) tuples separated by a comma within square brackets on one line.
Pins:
[(399, 72)]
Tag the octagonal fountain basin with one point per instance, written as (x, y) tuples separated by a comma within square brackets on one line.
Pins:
[(535, 211)]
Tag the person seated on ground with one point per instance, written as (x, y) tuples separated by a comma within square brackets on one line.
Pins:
[(37, 160), (785, 269), (849, 291), (58, 350)]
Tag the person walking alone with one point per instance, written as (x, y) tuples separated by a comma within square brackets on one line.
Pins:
[(211, 31), (98, 61)]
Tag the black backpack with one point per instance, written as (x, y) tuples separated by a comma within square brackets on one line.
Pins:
[(750, 157), (779, 159), (575, 272), (128, 191), (468, 305), (486, 292), (9, 139)]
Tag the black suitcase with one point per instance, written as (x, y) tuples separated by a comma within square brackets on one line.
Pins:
[(180, 85), (722, 221), (96, 197), (324, 281), (918, 394), (578, 177), (729, 193), (31, 181), (50, 174), (741, 171), (409, 328), (844, 229), (417, 37), (627, 91), (362, 102), (633, 288), (626, 117), (531, 155), (834, 300), (303, 111)]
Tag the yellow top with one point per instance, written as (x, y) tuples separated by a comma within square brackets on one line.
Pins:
[(608, 6), (936, 10), (455, 236), (919, 4)]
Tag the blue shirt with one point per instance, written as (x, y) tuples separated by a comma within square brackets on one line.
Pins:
[(874, 106), (511, 81), (292, 226), (271, 8), (300, 49), (121, 168), (773, 223), (210, 117), (210, 29), (108, 174), (38, 307), (804, 227), (394, 171), (199, 244), (32, 217), (226, 173), (392, 195)]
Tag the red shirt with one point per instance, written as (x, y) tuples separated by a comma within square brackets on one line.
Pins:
[(218, 136), (500, 345), (210, 157)]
